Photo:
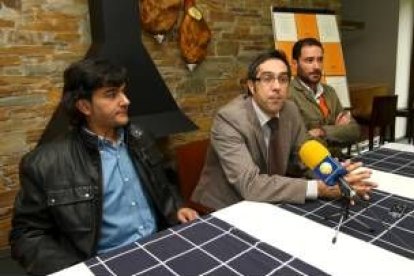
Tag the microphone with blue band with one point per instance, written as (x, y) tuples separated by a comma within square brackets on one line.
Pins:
[(316, 157)]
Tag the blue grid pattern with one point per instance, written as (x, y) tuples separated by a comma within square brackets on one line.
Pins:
[(207, 246), (390, 219), (389, 160)]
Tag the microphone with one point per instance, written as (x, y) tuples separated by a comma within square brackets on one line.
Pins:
[(316, 157)]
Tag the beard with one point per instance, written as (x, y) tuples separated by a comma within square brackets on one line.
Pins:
[(311, 78)]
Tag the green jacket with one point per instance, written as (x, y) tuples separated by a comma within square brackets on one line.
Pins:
[(336, 135)]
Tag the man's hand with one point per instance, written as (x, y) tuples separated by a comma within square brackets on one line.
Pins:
[(316, 132), (186, 214), (357, 178), (343, 118), (328, 192)]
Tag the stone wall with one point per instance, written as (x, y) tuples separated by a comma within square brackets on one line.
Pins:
[(39, 38)]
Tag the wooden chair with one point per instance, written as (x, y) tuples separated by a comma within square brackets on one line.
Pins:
[(190, 159), (383, 115)]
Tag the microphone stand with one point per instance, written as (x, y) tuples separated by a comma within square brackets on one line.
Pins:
[(347, 194), (397, 212)]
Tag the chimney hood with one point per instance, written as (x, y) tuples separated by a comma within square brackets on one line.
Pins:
[(116, 35)]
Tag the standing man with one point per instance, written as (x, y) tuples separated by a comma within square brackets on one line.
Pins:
[(100, 187), (254, 144), (321, 110)]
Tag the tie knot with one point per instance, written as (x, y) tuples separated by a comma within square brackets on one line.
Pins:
[(273, 123)]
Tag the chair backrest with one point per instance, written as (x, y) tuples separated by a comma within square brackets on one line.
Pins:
[(384, 109), (190, 161), (362, 95)]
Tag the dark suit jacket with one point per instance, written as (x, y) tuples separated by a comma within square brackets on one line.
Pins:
[(235, 167)]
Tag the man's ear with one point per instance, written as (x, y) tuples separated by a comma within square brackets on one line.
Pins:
[(84, 106), (250, 84)]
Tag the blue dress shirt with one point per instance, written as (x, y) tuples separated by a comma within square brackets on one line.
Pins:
[(127, 213)]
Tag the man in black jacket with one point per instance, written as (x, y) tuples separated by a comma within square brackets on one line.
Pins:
[(99, 187)]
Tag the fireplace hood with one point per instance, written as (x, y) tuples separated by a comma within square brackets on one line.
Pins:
[(116, 35)]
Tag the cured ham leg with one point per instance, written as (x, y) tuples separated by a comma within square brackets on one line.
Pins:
[(194, 35), (158, 17)]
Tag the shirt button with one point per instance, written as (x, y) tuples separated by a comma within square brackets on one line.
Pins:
[(133, 203), (126, 178), (52, 200), (87, 195), (141, 228)]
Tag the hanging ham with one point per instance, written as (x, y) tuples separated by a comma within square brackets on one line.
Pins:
[(194, 35), (158, 17)]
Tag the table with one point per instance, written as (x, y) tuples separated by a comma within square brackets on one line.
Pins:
[(251, 238)]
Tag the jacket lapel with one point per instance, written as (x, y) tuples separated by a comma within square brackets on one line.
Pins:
[(257, 132), (298, 86)]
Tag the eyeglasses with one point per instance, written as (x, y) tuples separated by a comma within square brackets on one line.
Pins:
[(268, 79)]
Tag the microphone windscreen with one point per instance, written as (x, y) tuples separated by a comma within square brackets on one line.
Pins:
[(312, 153)]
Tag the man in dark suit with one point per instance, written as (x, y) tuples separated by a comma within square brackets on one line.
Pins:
[(237, 163)]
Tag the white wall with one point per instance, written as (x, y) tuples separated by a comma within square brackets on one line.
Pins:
[(404, 49), (370, 52), (381, 51)]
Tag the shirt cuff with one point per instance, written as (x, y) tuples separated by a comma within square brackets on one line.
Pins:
[(312, 190)]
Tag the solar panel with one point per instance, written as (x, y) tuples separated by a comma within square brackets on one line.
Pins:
[(386, 221), (389, 160), (207, 246)]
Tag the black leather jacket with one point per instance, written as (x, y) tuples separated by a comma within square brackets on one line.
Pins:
[(58, 211)]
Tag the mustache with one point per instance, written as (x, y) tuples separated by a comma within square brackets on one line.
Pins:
[(119, 110), (316, 71), (275, 97)]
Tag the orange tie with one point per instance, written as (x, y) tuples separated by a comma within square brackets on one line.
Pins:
[(323, 106)]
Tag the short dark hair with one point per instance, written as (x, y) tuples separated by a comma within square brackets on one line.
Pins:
[(83, 77), (274, 54), (309, 41)]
